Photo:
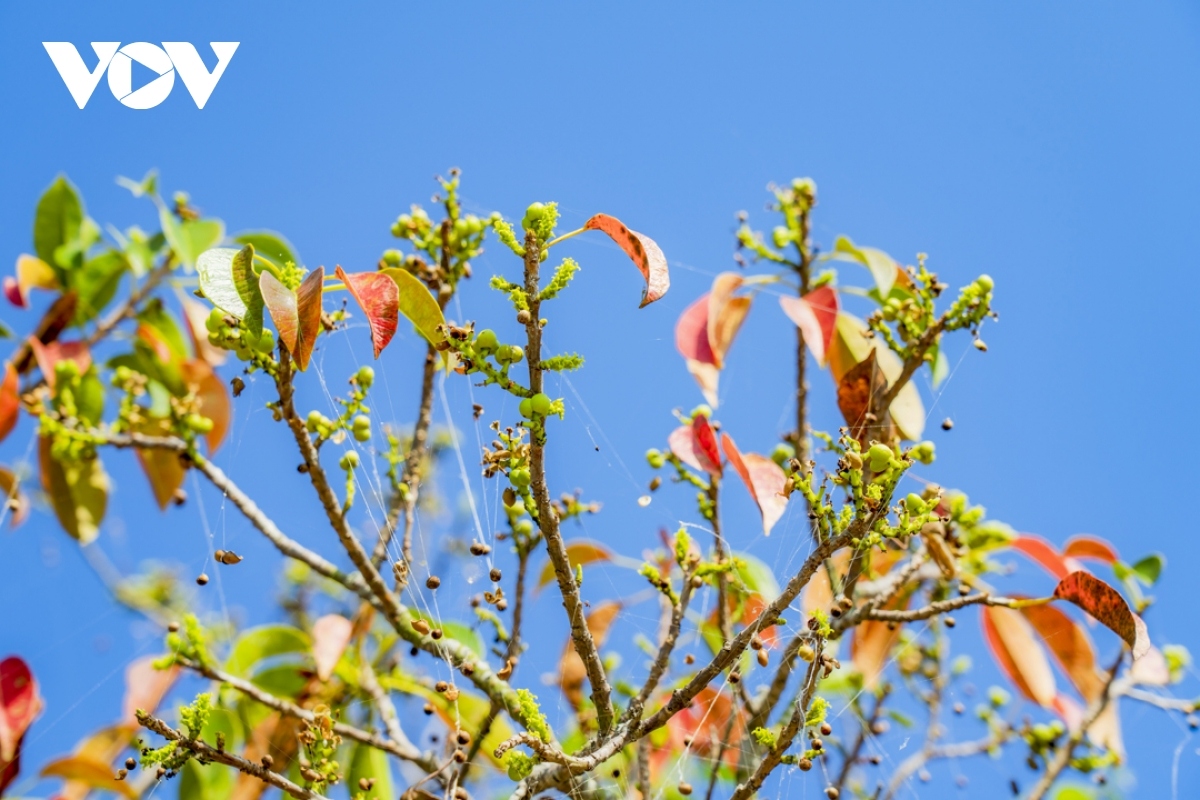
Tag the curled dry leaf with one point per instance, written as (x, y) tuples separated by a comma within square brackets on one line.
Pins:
[(16, 503), (572, 672), (10, 400), (860, 395), (296, 313), (579, 552), (851, 346), (1018, 654), (1042, 552), (646, 254), (331, 636), (815, 314), (20, 704), (1092, 547), (763, 477), (78, 491), (1106, 605)]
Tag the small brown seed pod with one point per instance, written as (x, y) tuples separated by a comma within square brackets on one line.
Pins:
[(228, 557), (420, 626), (428, 709), (480, 549), (950, 623), (826, 729), (685, 788), (173, 626), (201, 579), (131, 763), (805, 764), (689, 659), (121, 774), (436, 633), (440, 687), (433, 582), (460, 756), (463, 738), (267, 761), (495, 574), (763, 658)]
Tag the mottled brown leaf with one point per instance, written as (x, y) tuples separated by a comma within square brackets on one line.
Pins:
[(1106, 606), (645, 252)]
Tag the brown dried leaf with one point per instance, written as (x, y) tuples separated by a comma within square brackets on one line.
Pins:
[(1106, 606), (646, 254)]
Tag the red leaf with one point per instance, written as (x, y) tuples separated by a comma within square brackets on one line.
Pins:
[(763, 477), (682, 442), (32, 273), (645, 252), (379, 297), (706, 445), (691, 332), (145, 688), (1107, 607), (1018, 653), (1071, 647), (1041, 551), (1090, 547), (12, 292), (10, 401), (815, 315), (19, 705), (330, 636)]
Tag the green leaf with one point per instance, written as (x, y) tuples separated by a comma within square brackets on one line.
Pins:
[(201, 782), (757, 576), (267, 641), (89, 399), (246, 281), (270, 245), (282, 680), (156, 317), (1150, 568), (57, 221), (418, 305), (190, 238), (367, 763), (883, 267), (96, 284), (228, 280)]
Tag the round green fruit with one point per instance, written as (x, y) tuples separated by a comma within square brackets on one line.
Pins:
[(520, 477), (365, 377), (541, 404), (486, 341), (526, 408), (349, 460)]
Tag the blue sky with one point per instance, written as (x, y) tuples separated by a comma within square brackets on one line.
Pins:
[(1051, 145)]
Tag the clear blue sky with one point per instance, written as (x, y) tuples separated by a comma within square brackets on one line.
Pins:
[(1052, 145)]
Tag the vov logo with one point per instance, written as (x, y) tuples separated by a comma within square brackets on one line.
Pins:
[(164, 61)]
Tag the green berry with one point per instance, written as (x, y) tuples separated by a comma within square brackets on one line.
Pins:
[(486, 341), (541, 404), (880, 457), (985, 282), (520, 477), (516, 354), (349, 460), (702, 410), (365, 377), (655, 458), (266, 342), (923, 452), (198, 423), (393, 258), (526, 408), (914, 504), (535, 211), (214, 321), (524, 527), (315, 421)]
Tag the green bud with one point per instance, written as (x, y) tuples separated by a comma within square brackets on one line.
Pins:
[(541, 404), (655, 458), (198, 423), (486, 341), (315, 421), (349, 460), (783, 453), (524, 527), (516, 354), (702, 410), (923, 452), (393, 258), (535, 211), (266, 342), (215, 320), (914, 504), (365, 377), (985, 282), (526, 408), (520, 477)]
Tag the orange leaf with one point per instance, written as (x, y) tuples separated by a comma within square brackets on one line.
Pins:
[(379, 298), (296, 314), (645, 252), (874, 641), (815, 315), (212, 399), (580, 551), (32, 273), (1091, 547), (330, 636), (1071, 647), (763, 477), (1107, 607), (1017, 652), (162, 467), (711, 719), (145, 688), (10, 401), (726, 314), (571, 669), (1041, 551), (91, 771)]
